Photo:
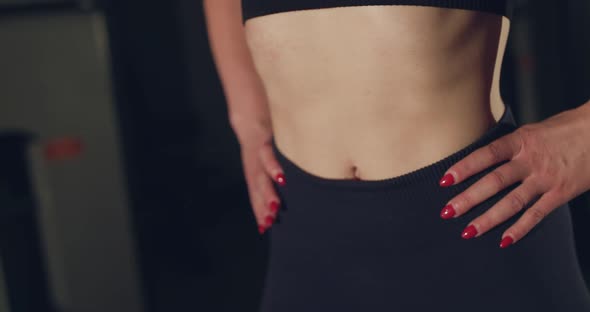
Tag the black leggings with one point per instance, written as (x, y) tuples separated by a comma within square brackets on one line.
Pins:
[(351, 245)]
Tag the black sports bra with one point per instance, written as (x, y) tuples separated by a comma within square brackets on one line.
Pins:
[(253, 8)]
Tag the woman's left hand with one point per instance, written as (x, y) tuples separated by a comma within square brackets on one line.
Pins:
[(552, 160)]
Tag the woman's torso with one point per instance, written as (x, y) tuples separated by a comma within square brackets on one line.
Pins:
[(378, 91)]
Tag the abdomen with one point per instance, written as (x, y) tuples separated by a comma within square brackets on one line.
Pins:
[(377, 89)]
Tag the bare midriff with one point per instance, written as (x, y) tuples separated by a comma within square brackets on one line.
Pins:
[(373, 92)]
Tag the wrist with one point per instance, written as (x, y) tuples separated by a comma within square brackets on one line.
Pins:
[(251, 131)]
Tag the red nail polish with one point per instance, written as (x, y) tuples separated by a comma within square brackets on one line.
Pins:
[(269, 220), (261, 229), (447, 180), (506, 241), (274, 206), (447, 212), (469, 232), (280, 178)]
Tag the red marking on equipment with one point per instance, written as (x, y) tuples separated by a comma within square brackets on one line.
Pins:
[(63, 148)]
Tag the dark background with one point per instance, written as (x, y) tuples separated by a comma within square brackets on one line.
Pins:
[(190, 236)]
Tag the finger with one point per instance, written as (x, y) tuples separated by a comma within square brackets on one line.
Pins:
[(492, 183), (264, 200), (531, 217), (501, 149), (258, 213), (271, 165), (252, 171), (507, 207), (270, 198), (256, 200)]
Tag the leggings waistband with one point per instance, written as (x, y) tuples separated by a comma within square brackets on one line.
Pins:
[(426, 174)]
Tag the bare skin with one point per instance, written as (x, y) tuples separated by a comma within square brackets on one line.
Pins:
[(373, 92)]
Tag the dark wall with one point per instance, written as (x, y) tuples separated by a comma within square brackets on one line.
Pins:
[(199, 246)]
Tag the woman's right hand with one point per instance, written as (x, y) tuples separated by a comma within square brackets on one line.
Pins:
[(260, 169), (247, 106)]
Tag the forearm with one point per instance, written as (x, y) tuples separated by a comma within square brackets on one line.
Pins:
[(243, 89)]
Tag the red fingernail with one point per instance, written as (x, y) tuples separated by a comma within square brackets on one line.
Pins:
[(261, 229), (506, 241), (274, 206), (469, 232), (280, 178), (447, 180), (447, 212), (269, 220)]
